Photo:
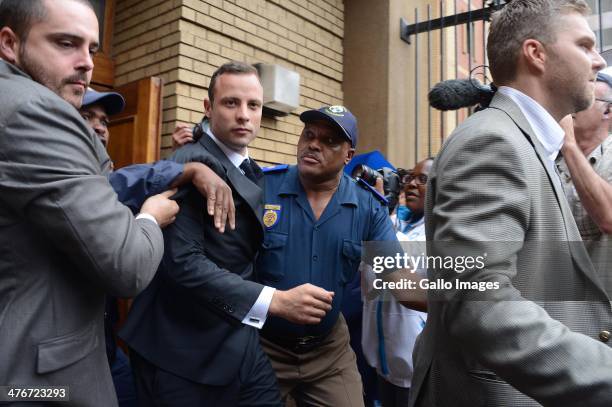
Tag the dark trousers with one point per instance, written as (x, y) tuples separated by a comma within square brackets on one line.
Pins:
[(123, 380), (391, 395), (255, 385)]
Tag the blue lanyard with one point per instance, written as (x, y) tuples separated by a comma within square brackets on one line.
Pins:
[(382, 354)]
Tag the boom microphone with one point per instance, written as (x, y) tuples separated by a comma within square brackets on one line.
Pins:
[(454, 94)]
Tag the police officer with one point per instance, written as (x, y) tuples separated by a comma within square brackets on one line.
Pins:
[(316, 218)]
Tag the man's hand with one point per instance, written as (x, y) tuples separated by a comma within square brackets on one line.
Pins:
[(162, 208), (181, 136), (219, 201), (304, 304), (567, 124), (402, 198)]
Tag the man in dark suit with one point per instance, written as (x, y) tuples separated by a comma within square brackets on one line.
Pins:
[(192, 332), (65, 240), (133, 184)]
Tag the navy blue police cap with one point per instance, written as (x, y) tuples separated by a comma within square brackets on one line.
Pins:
[(340, 116)]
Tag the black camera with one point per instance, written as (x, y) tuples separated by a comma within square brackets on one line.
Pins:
[(391, 181)]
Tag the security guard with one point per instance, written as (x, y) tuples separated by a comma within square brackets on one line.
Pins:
[(316, 218)]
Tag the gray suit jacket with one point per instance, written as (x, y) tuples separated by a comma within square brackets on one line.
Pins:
[(536, 337), (65, 241)]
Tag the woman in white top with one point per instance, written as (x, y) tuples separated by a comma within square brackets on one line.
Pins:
[(390, 329)]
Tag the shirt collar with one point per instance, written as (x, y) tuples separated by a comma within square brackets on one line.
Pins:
[(235, 157), (291, 185), (548, 132)]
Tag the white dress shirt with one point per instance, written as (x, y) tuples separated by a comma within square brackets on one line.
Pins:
[(548, 132), (147, 216), (256, 317)]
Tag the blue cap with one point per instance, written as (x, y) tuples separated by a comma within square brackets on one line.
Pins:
[(338, 115), (112, 102)]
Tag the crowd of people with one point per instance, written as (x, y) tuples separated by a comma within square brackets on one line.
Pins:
[(241, 276)]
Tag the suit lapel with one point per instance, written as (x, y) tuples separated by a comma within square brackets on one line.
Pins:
[(579, 253), (250, 192)]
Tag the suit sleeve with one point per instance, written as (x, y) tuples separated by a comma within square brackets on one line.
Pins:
[(51, 176), (186, 263), (481, 194), (135, 183)]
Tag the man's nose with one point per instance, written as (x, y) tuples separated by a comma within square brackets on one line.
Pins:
[(314, 144), (85, 60), (598, 62), (98, 128), (243, 112)]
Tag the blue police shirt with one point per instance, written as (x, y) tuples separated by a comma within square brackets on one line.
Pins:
[(298, 249)]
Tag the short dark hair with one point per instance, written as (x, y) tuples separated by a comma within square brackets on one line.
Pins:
[(233, 67), (20, 15), (521, 20)]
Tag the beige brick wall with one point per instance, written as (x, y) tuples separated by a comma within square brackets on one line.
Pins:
[(183, 41)]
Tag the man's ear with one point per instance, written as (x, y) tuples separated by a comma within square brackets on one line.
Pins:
[(9, 45), (534, 54), (349, 155), (207, 107)]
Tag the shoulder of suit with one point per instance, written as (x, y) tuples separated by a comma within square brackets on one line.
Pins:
[(191, 152), (277, 169), (371, 190)]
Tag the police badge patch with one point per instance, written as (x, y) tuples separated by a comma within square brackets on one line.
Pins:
[(271, 215)]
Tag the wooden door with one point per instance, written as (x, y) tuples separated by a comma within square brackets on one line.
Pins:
[(135, 133)]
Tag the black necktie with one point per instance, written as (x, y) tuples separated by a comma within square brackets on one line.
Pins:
[(249, 172)]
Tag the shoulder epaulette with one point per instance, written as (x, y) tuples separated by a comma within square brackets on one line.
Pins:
[(373, 190), (276, 168)]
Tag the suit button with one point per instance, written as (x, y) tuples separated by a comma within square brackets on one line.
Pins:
[(315, 257), (230, 309), (604, 336)]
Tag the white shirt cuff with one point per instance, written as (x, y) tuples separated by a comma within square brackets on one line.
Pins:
[(147, 216), (258, 313)]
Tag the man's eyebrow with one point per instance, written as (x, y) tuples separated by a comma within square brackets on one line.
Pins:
[(588, 39)]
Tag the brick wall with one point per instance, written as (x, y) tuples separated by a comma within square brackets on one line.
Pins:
[(183, 41)]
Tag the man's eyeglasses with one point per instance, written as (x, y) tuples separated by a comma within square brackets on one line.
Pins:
[(421, 179), (608, 101)]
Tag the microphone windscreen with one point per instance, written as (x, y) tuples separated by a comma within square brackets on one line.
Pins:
[(454, 94)]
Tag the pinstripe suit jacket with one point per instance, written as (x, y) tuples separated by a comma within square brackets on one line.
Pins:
[(535, 340)]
